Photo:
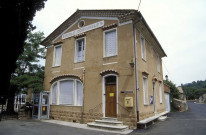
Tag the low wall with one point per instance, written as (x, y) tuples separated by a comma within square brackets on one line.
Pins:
[(202, 99), (24, 114), (182, 104)]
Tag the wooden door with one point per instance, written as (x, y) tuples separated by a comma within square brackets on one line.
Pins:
[(111, 102)]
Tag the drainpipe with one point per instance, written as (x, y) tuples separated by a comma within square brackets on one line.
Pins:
[(136, 71), (82, 110)]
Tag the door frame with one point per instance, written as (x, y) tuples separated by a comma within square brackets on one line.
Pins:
[(104, 92)]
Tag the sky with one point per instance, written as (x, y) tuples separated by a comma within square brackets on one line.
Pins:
[(179, 25)]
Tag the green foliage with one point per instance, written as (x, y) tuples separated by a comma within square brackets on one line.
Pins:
[(28, 74), (174, 92), (195, 89)]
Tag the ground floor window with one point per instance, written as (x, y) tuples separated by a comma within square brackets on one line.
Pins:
[(67, 92)]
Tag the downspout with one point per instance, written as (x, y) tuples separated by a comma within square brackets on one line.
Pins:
[(82, 110), (136, 69)]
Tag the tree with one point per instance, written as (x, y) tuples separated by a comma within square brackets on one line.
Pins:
[(16, 20), (28, 74), (195, 89)]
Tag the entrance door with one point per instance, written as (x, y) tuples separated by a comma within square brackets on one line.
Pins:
[(167, 102), (111, 99)]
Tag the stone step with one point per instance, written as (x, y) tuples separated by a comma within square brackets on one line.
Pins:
[(107, 127), (109, 122), (162, 118), (109, 119)]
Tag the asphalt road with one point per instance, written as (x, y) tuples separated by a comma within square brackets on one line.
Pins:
[(192, 122)]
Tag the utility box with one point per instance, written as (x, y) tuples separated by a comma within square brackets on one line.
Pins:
[(128, 101)]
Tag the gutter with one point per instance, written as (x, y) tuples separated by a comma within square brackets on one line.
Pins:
[(136, 68)]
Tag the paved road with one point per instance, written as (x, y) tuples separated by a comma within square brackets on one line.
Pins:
[(192, 122), (34, 127)]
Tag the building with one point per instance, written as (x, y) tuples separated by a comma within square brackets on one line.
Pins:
[(21, 100), (167, 97), (104, 63), (181, 96)]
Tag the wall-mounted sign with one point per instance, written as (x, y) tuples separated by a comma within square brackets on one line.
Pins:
[(111, 94), (83, 29), (126, 91)]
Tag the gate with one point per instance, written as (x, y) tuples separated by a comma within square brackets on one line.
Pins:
[(40, 105)]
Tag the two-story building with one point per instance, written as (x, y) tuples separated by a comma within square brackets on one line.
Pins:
[(104, 63)]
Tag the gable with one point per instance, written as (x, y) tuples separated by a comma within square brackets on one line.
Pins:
[(90, 23), (122, 15)]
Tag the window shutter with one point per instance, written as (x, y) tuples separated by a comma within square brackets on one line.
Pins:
[(54, 93), (79, 93), (143, 48), (110, 43), (57, 61), (66, 92), (79, 50)]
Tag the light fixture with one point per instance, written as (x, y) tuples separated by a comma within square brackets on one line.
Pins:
[(131, 64)]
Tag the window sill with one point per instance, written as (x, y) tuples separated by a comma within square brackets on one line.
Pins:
[(56, 66), (66, 105), (105, 57), (144, 60), (76, 62)]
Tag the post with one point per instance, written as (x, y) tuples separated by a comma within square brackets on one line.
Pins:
[(1, 112)]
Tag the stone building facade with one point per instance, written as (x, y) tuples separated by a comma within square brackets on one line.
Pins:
[(104, 63)]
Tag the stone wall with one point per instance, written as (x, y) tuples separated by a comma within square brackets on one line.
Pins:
[(202, 99), (183, 104), (24, 114), (145, 115), (72, 116)]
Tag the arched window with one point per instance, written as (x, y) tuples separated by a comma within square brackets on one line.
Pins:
[(67, 92)]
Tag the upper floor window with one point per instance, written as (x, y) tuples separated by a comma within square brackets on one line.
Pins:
[(67, 92), (143, 48), (57, 55), (158, 63), (79, 50), (110, 43)]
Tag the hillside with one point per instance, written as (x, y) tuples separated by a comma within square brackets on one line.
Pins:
[(195, 89)]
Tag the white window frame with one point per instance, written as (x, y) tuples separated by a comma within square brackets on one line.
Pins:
[(143, 47), (76, 60), (145, 91), (58, 92), (158, 63), (54, 56), (104, 38), (160, 92)]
